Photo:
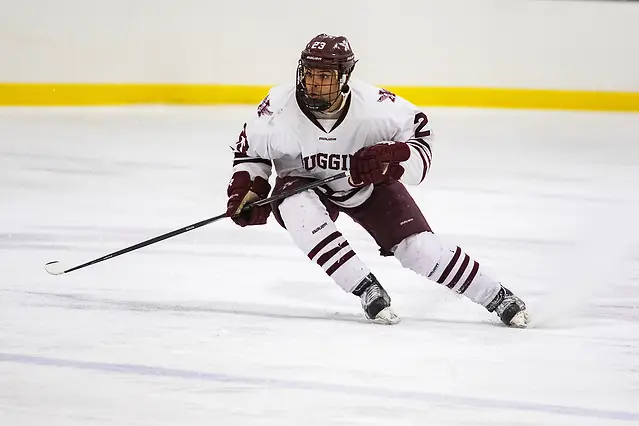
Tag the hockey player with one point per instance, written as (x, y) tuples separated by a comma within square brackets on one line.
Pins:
[(327, 123)]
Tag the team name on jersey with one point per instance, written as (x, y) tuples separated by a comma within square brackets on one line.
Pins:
[(323, 160)]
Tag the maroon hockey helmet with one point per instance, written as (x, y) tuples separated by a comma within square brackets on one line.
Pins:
[(325, 52)]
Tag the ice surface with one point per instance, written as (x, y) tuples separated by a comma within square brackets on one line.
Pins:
[(231, 326)]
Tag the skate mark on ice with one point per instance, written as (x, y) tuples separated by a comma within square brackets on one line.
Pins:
[(82, 302), (265, 382), (59, 162), (90, 303)]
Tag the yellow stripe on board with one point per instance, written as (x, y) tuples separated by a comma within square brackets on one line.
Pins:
[(96, 94), (107, 94), (521, 98)]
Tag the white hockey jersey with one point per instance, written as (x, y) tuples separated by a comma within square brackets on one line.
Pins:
[(289, 137)]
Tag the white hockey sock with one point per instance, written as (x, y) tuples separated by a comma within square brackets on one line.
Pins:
[(446, 264), (313, 231)]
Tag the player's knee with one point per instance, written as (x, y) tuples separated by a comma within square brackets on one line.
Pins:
[(424, 249), (298, 207), (295, 203)]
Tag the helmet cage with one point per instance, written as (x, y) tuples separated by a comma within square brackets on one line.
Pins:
[(329, 98)]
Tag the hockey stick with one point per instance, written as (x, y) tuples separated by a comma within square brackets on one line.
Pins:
[(55, 268)]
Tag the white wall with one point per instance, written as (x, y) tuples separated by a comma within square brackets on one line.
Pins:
[(508, 43)]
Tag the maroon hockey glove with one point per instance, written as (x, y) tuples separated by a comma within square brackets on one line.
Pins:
[(241, 191), (377, 163)]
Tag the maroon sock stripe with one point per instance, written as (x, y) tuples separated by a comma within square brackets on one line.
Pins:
[(323, 243), (335, 266), (332, 252), (470, 278), (459, 273), (450, 266)]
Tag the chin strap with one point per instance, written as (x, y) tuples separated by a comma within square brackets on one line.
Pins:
[(335, 113)]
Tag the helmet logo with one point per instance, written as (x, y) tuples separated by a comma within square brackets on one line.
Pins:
[(343, 45)]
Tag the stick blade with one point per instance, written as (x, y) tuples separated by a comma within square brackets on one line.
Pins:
[(54, 268)]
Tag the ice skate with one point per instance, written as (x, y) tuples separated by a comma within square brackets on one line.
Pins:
[(375, 301), (510, 309)]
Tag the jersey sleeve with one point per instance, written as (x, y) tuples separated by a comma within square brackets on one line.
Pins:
[(414, 130), (253, 151)]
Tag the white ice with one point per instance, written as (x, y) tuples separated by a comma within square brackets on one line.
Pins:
[(231, 326)]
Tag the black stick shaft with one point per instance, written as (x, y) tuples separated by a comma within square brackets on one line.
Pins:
[(148, 242), (207, 221), (287, 194)]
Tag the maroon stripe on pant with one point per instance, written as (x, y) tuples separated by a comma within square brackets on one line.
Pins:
[(335, 266), (459, 273), (470, 278), (332, 252), (323, 243), (450, 266)]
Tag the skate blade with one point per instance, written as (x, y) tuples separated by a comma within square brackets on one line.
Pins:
[(386, 317), (520, 320)]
